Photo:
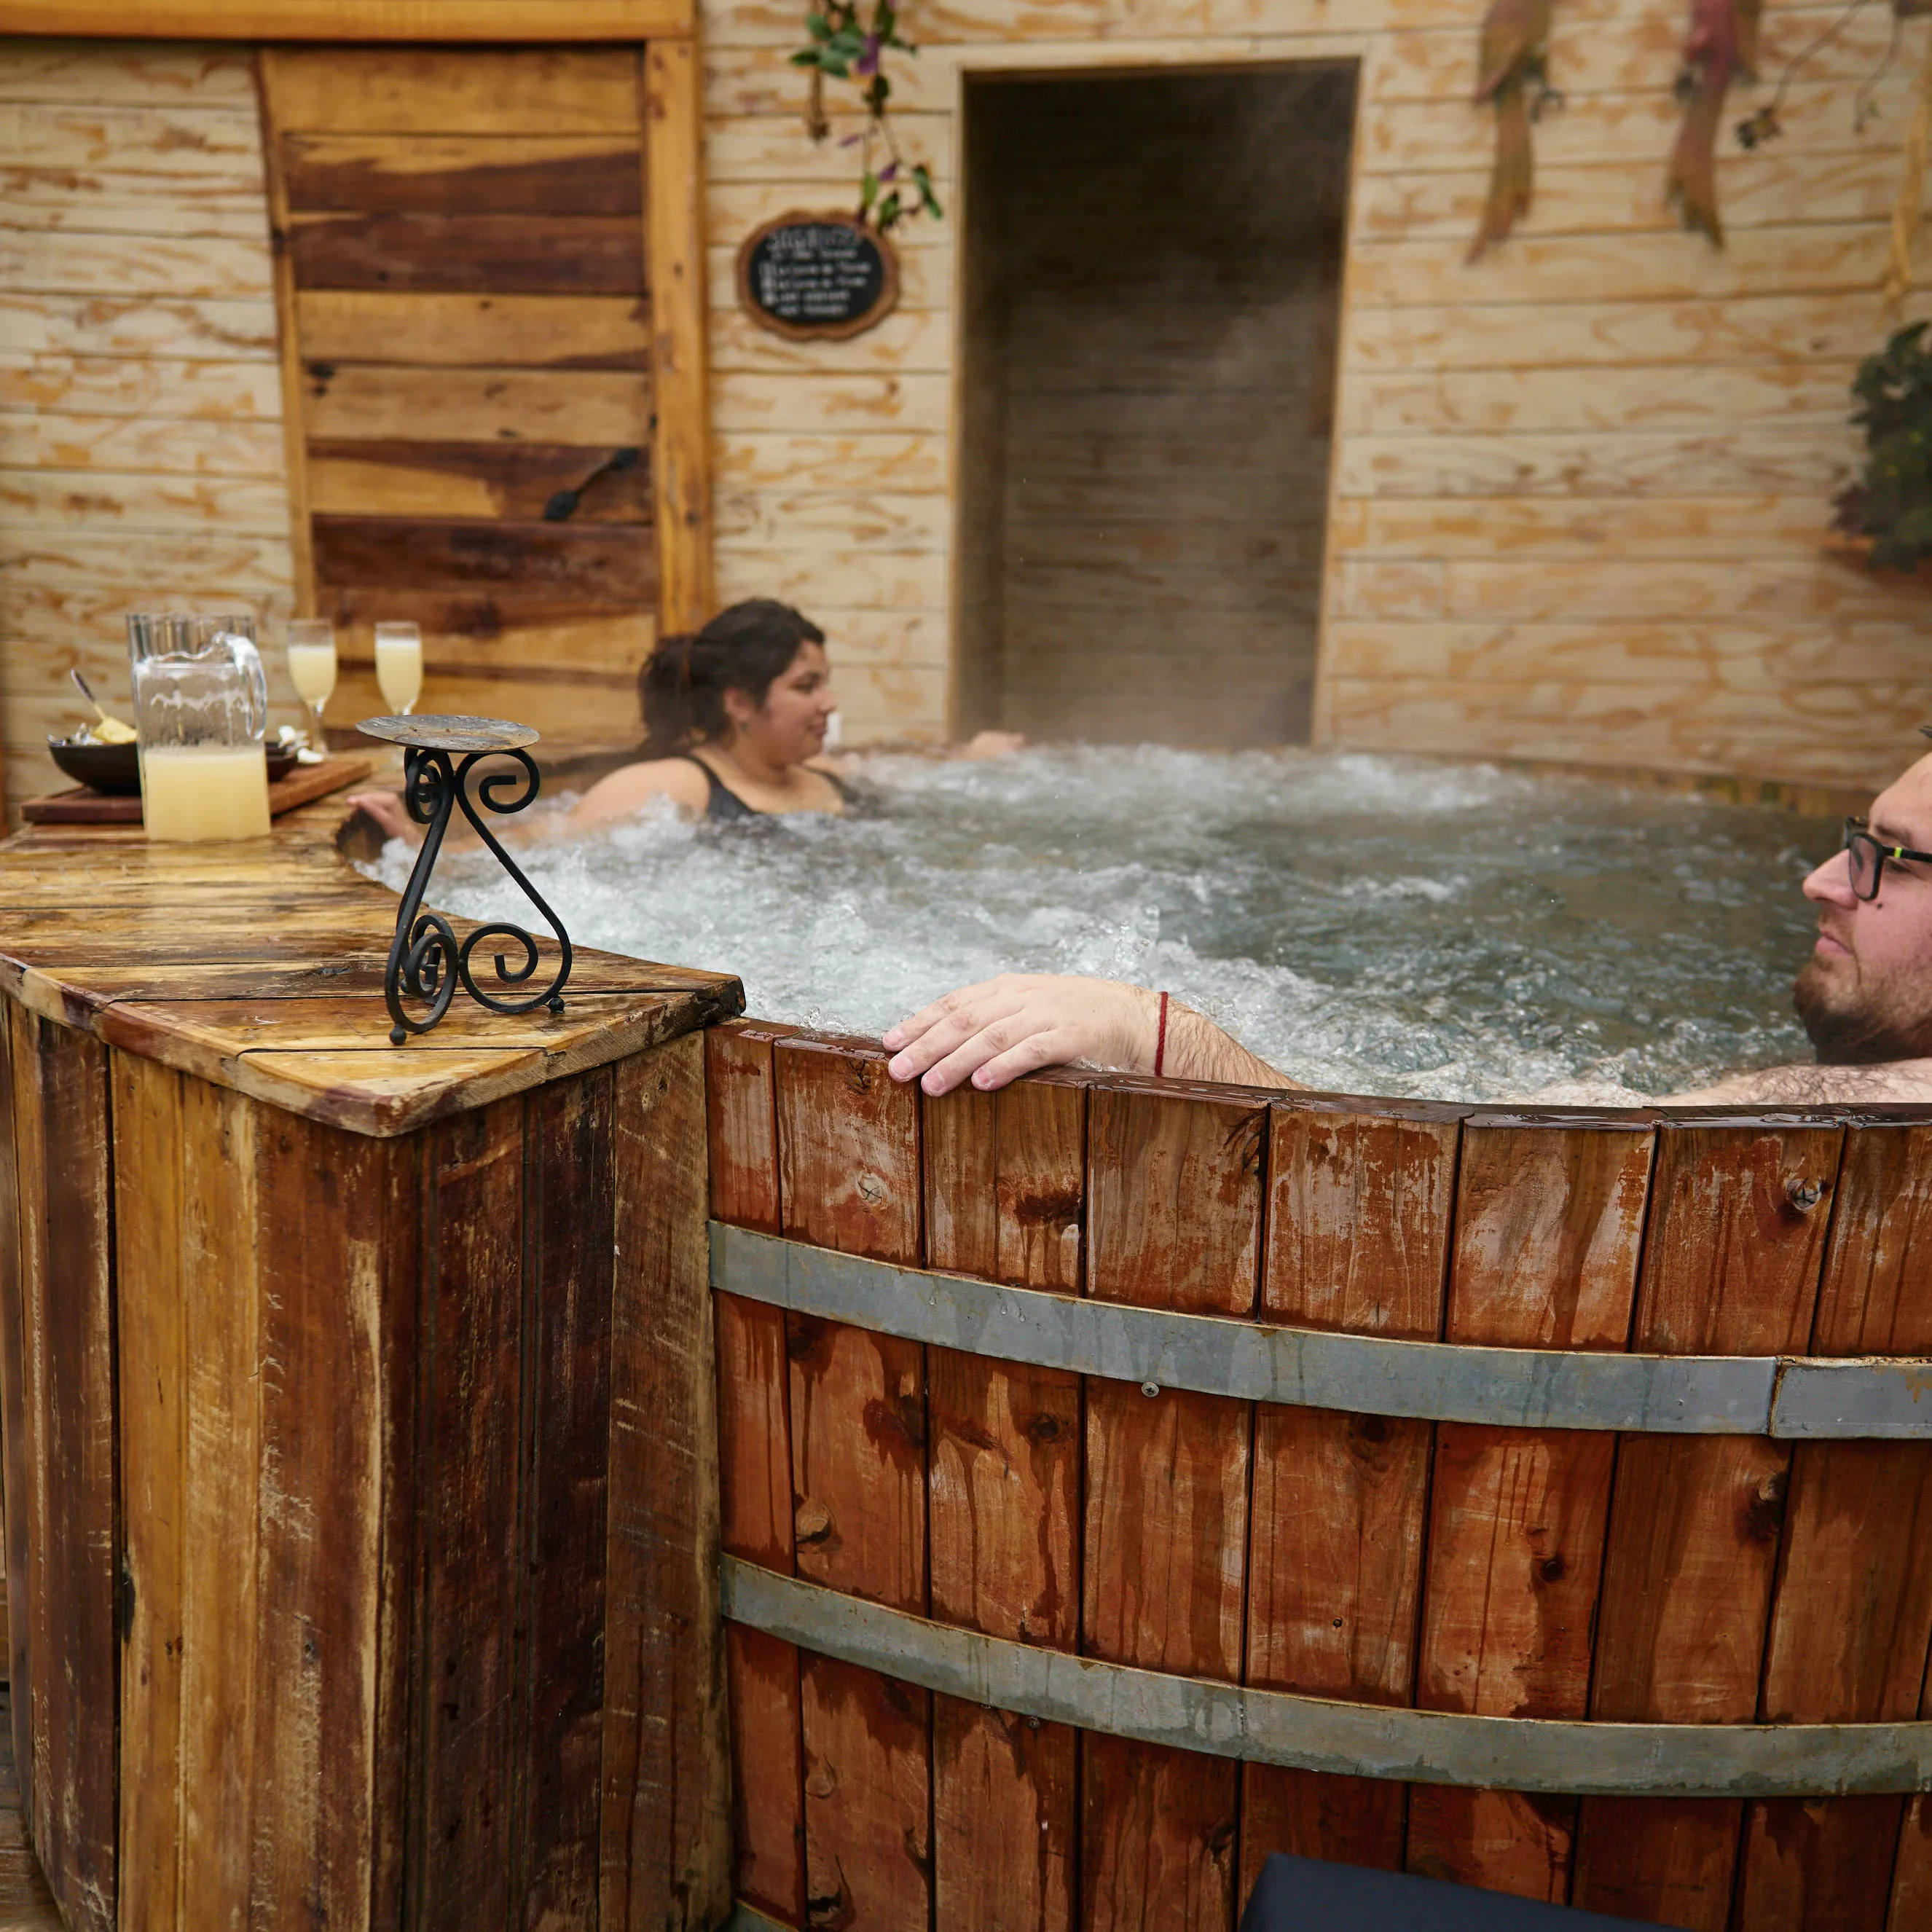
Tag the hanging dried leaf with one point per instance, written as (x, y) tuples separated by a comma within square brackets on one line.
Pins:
[(1513, 59), (1722, 34)]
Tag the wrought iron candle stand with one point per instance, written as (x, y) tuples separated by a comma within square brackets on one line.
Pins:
[(426, 960)]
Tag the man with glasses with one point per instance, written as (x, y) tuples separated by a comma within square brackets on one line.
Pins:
[(1865, 995)]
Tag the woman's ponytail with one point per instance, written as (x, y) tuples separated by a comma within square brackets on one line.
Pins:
[(681, 684), (663, 689)]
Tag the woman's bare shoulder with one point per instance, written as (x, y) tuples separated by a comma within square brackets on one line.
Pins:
[(680, 780)]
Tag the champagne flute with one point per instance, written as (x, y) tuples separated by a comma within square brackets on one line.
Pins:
[(399, 664), (312, 666)]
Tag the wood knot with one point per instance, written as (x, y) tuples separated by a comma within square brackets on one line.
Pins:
[(1761, 1510), (1552, 1569), (811, 1521), (821, 1784)]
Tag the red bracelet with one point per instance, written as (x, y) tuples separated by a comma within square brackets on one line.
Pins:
[(1160, 1038)]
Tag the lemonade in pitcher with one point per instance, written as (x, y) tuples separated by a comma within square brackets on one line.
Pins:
[(201, 706)]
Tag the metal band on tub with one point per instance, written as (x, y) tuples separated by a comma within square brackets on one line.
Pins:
[(1326, 1734), (1791, 1398)]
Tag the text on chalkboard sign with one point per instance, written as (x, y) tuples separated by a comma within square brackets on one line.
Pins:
[(817, 275)]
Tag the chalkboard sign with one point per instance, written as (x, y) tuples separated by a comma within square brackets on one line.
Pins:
[(805, 275)]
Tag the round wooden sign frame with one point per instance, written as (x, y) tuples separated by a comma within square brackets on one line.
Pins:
[(821, 332)]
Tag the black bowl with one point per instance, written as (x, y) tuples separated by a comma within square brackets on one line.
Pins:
[(113, 769), (116, 769)]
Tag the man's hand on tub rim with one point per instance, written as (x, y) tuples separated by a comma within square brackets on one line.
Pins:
[(993, 1032)]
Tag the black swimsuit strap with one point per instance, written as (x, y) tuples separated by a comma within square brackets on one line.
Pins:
[(721, 802)]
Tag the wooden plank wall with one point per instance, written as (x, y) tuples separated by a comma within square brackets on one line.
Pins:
[(141, 453), (466, 279), (1506, 1572), (1579, 486)]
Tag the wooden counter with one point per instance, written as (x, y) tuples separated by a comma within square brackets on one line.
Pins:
[(359, 1429)]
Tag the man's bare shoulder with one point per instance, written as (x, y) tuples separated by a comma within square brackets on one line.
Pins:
[(1897, 1080)]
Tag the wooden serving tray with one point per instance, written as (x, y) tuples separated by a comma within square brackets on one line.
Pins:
[(84, 805)]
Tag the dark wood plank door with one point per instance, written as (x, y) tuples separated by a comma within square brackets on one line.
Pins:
[(465, 263)]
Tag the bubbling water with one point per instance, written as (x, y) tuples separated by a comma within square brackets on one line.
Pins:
[(1368, 924)]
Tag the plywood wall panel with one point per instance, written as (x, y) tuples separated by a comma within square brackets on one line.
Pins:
[(174, 332), (141, 454), (1724, 374)]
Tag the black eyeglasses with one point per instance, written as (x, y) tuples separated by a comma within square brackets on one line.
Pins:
[(1869, 855)]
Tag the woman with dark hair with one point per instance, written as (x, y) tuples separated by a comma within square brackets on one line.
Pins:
[(734, 715), (735, 719)]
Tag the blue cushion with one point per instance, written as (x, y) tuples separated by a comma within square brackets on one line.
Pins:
[(1311, 1895)]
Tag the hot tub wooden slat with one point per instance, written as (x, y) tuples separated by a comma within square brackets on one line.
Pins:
[(850, 1177), (754, 1460), (1005, 1182), (1548, 1228), (1852, 1617), (1731, 1261), (61, 1126), (1358, 1240), (1175, 1216)]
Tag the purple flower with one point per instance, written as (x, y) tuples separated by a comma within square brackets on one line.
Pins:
[(867, 62)]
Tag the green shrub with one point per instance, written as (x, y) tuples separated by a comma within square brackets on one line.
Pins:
[(1892, 502)]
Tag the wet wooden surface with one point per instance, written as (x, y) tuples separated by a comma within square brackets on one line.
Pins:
[(258, 966)]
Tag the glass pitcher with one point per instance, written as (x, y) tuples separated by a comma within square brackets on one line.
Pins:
[(201, 708)]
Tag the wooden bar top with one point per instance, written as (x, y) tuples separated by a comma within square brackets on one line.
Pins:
[(259, 967)]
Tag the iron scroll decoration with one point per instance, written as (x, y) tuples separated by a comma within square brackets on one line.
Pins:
[(427, 961)]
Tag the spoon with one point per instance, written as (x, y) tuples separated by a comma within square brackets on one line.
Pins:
[(112, 730), (81, 685)]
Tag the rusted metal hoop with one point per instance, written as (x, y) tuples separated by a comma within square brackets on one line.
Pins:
[(1534, 1754), (1791, 1398)]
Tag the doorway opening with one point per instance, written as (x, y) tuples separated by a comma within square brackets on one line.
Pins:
[(1153, 269)]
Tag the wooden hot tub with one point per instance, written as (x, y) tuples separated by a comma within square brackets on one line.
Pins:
[(1118, 1480), (1602, 1571)]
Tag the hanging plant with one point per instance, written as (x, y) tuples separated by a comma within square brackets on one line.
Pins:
[(847, 44), (1889, 508)]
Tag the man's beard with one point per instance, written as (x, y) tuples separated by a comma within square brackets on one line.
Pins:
[(1848, 1027)]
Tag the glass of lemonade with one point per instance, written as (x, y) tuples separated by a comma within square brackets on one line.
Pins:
[(201, 707), (399, 665), (312, 666)]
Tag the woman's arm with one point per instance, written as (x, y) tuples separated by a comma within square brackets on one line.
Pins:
[(615, 795), (993, 1032)]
